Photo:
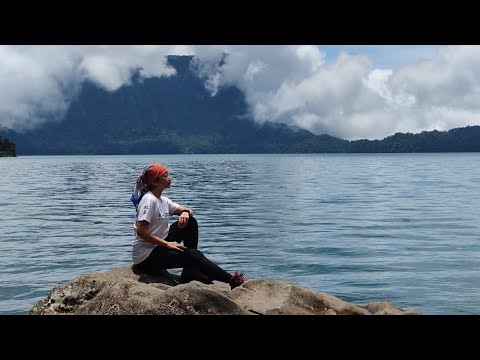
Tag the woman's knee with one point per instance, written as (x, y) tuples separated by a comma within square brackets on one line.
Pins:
[(192, 222)]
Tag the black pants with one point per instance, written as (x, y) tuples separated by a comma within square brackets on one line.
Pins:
[(164, 258)]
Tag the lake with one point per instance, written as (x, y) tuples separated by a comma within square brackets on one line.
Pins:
[(363, 227)]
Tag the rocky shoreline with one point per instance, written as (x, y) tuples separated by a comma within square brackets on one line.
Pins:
[(124, 291)]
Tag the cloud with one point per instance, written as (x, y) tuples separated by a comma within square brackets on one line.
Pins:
[(39, 82), (347, 97)]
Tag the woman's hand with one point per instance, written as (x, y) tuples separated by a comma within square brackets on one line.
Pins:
[(183, 220), (175, 246)]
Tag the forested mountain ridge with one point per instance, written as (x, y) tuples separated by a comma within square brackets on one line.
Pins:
[(178, 115)]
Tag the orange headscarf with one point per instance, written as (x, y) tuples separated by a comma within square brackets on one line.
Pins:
[(153, 172)]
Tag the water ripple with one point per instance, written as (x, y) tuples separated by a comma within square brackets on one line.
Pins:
[(364, 227)]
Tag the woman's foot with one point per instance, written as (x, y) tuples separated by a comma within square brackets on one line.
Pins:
[(237, 280)]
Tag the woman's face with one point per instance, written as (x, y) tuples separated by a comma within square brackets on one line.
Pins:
[(164, 181)]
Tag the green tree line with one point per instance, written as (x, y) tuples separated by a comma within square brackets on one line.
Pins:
[(7, 148)]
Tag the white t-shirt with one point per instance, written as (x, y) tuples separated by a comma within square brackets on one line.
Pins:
[(157, 213)]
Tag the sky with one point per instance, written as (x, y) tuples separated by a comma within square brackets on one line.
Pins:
[(351, 92)]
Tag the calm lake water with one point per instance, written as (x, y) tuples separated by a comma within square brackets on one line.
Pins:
[(364, 227)]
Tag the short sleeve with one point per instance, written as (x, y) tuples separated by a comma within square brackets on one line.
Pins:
[(172, 206), (146, 209)]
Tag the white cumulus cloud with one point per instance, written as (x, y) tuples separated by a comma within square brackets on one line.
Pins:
[(346, 97)]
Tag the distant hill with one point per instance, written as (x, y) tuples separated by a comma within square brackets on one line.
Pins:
[(177, 115), (7, 148)]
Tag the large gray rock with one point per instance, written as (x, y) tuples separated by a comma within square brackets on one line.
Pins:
[(269, 297), (123, 291)]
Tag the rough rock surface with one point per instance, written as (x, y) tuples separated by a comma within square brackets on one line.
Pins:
[(123, 291)]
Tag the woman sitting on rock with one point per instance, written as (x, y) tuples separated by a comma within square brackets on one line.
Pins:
[(157, 246)]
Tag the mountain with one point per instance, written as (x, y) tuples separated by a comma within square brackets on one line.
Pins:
[(178, 115), (164, 115)]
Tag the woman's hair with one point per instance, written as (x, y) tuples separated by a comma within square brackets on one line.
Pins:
[(145, 180)]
